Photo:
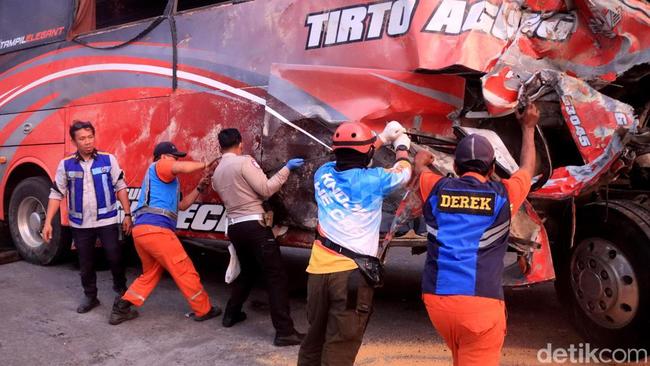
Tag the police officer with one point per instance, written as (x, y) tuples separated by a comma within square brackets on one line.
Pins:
[(155, 240), (243, 186), (468, 223), (349, 195), (91, 180)]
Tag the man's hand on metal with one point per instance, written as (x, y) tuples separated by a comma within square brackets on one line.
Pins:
[(203, 184), (47, 232), (391, 132), (423, 159), (295, 163), (529, 117), (212, 165), (127, 224)]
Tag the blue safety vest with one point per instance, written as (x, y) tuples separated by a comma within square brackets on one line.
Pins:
[(102, 181), (158, 201), (468, 223)]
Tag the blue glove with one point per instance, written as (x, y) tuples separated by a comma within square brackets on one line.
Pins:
[(295, 163)]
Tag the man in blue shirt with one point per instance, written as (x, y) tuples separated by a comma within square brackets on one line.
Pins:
[(93, 182)]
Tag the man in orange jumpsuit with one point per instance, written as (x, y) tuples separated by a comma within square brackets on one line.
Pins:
[(155, 241), (468, 223)]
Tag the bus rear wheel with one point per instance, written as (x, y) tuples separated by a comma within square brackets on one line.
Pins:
[(26, 216), (608, 274)]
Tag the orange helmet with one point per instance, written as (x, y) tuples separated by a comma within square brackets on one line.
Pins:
[(353, 135)]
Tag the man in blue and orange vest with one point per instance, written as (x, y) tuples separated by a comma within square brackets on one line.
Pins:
[(468, 223), (91, 180), (155, 239)]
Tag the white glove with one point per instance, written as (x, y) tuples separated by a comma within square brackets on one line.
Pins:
[(402, 140), (392, 131), (233, 266)]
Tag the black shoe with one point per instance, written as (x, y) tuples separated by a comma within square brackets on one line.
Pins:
[(289, 340), (87, 304), (231, 319), (121, 312), (214, 312)]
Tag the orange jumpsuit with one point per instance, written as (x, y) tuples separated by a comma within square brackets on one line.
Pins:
[(160, 250)]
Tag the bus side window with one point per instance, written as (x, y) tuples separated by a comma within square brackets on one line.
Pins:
[(92, 15), (182, 5), (115, 12)]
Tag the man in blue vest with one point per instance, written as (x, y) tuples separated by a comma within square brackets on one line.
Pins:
[(468, 223), (91, 180), (155, 239)]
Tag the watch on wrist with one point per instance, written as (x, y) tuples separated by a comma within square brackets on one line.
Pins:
[(127, 214), (401, 148)]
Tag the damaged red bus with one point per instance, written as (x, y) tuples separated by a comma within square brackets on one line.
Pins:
[(286, 72)]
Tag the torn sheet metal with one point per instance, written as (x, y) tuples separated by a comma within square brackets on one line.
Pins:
[(371, 96), (595, 41), (597, 124)]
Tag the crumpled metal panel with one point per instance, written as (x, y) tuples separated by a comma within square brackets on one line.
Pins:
[(598, 125), (596, 41), (310, 112)]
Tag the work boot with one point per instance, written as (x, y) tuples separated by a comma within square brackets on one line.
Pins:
[(214, 312), (230, 319), (122, 312), (87, 304), (293, 339)]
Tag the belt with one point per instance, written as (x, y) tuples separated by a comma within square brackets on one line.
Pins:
[(337, 248), (237, 220), (157, 211)]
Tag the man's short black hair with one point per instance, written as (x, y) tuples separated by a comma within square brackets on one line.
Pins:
[(229, 137), (80, 125), (475, 166)]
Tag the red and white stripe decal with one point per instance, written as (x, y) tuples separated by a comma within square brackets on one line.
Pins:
[(156, 70)]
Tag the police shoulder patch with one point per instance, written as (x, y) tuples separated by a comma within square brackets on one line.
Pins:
[(255, 164), (466, 202)]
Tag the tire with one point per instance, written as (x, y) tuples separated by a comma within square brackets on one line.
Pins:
[(608, 274), (26, 215)]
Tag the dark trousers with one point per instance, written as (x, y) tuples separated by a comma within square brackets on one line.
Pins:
[(338, 309), (258, 253), (84, 240)]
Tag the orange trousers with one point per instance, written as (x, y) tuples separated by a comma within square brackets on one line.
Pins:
[(159, 250), (473, 327)]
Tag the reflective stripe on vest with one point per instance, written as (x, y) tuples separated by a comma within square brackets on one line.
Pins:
[(468, 223), (158, 197), (102, 183)]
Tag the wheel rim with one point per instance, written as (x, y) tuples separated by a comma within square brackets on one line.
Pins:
[(604, 283), (30, 218)]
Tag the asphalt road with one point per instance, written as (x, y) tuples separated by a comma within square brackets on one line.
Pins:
[(39, 325)]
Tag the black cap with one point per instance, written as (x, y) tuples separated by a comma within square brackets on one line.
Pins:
[(167, 147), (476, 149)]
